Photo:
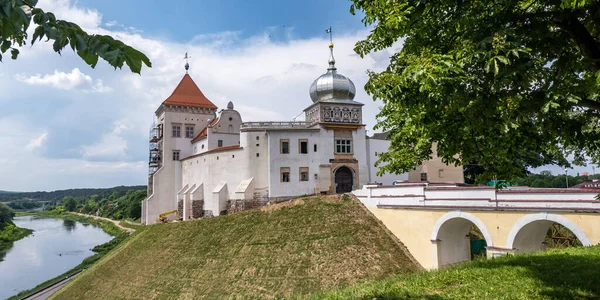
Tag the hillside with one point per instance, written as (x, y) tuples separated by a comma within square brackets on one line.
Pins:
[(293, 248), (58, 195), (572, 273)]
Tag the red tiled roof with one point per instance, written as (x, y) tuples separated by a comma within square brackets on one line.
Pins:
[(204, 131), (587, 185), (187, 93)]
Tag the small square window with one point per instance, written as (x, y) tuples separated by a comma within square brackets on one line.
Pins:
[(257, 145), (257, 154), (315, 147), (220, 143), (176, 155), (303, 174), (257, 138), (423, 176)]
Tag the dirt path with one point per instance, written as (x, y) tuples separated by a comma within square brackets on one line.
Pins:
[(129, 230)]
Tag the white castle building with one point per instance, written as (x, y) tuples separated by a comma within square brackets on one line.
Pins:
[(206, 163)]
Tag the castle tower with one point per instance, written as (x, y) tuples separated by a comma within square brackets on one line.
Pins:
[(339, 117), (181, 117)]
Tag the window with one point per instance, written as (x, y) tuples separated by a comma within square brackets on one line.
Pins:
[(285, 174), (176, 130), (441, 173), (376, 154), (343, 146), (303, 174), (257, 145), (257, 154), (303, 146), (423, 176), (220, 143), (175, 154), (284, 146), (202, 146), (257, 138), (189, 131), (315, 147)]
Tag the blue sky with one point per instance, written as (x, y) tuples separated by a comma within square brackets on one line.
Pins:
[(65, 125), (182, 20)]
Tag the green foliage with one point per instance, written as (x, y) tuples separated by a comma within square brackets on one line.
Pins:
[(572, 273), (6, 214), (10, 233), (16, 16), (69, 203), (504, 85), (24, 205), (545, 179), (56, 196)]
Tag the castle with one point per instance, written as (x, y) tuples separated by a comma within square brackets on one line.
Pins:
[(207, 163)]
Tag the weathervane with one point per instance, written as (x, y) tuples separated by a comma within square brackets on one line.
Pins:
[(331, 59), (187, 65)]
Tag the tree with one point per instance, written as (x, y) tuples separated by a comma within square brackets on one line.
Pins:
[(506, 84), (17, 15), (69, 203), (6, 214)]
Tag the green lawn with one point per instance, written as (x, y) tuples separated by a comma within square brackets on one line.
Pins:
[(295, 248), (572, 273)]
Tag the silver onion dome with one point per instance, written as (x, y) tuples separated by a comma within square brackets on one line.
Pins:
[(332, 86)]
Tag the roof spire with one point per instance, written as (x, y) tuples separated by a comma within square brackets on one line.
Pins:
[(331, 59), (187, 65)]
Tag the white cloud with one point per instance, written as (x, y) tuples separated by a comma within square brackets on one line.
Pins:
[(65, 81), (36, 142), (106, 137), (110, 146)]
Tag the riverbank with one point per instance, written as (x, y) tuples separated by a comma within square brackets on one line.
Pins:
[(100, 250), (10, 233)]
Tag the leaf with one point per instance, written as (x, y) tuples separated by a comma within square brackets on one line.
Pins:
[(7, 7), (90, 58), (5, 45), (14, 53), (38, 34)]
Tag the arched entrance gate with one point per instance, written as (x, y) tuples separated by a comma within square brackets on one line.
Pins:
[(344, 179)]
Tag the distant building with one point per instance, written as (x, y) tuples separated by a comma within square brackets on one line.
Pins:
[(206, 162), (595, 184)]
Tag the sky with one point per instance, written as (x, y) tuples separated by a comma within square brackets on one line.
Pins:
[(66, 125)]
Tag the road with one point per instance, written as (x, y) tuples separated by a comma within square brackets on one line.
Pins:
[(48, 291), (108, 220)]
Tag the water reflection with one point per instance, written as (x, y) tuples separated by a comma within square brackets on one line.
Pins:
[(55, 247), (69, 225)]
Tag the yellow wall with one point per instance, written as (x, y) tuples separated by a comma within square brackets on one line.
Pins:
[(414, 228)]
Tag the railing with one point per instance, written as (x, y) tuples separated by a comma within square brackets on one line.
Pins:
[(275, 124)]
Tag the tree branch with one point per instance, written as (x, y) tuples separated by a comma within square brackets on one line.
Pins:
[(585, 41), (589, 103)]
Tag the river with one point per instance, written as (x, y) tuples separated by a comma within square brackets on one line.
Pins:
[(54, 247)]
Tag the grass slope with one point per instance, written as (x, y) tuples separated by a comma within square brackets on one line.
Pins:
[(571, 273), (298, 247)]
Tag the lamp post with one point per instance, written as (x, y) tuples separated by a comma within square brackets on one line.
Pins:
[(567, 177)]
